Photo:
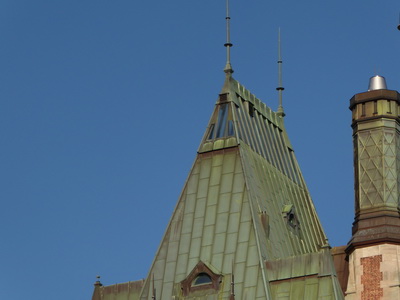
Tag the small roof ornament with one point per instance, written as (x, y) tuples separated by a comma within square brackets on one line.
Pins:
[(98, 283), (377, 83)]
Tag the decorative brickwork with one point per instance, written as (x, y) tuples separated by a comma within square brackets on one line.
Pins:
[(371, 278)]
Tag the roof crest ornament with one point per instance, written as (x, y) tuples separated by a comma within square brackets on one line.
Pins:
[(280, 88), (228, 67)]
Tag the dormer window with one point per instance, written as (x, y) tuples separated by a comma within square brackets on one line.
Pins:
[(201, 279)]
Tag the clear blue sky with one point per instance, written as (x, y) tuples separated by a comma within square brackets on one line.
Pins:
[(104, 103)]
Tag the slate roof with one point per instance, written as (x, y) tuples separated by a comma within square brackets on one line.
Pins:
[(245, 216)]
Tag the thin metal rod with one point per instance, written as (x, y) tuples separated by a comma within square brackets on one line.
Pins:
[(232, 296), (280, 88), (154, 290), (228, 44)]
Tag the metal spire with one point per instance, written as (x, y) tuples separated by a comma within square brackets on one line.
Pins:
[(280, 88), (228, 67)]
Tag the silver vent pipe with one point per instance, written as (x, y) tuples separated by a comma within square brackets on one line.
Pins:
[(377, 83)]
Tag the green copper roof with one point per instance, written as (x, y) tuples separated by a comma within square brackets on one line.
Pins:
[(212, 223), (245, 219), (240, 116), (306, 276)]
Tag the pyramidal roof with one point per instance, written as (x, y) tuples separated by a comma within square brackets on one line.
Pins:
[(244, 226)]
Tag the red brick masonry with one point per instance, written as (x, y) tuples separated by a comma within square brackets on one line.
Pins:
[(371, 278)]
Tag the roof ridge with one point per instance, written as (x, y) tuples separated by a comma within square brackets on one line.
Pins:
[(233, 85)]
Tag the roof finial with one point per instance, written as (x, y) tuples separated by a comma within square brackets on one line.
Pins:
[(228, 67), (280, 88), (98, 283), (97, 289)]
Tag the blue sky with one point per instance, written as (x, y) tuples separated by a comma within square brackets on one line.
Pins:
[(103, 105)]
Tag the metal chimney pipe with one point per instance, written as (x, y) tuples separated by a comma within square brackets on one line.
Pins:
[(377, 83)]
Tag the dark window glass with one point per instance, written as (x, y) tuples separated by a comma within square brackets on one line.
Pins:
[(222, 116), (231, 131), (201, 279), (251, 110), (211, 133)]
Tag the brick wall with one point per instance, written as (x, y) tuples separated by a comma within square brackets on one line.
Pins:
[(371, 278)]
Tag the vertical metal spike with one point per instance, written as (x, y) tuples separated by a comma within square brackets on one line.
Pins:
[(232, 296), (280, 88), (154, 291), (228, 67)]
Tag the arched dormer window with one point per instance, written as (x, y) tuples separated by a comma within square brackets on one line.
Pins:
[(201, 279)]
